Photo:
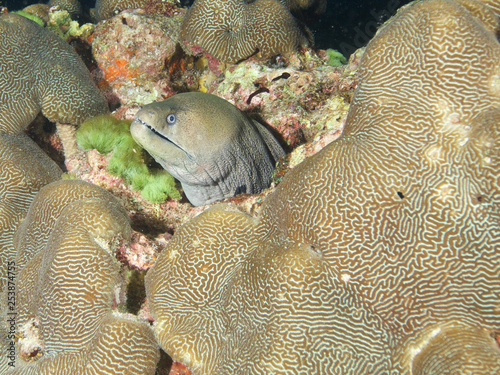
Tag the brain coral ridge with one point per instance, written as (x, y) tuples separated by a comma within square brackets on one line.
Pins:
[(233, 30), (379, 254), (66, 284), (24, 170), (40, 72)]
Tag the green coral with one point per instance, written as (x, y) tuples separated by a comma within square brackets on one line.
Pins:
[(335, 58), (106, 134)]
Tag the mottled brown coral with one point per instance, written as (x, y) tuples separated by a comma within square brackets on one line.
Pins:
[(66, 285), (316, 6), (233, 30), (41, 72), (379, 254)]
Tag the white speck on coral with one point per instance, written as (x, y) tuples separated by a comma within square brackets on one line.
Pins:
[(445, 192), (345, 278)]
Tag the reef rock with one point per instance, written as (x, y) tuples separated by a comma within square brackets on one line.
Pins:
[(380, 253), (301, 100), (132, 50)]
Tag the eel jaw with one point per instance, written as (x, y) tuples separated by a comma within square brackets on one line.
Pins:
[(162, 136)]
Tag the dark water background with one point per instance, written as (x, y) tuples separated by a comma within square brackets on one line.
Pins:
[(345, 26)]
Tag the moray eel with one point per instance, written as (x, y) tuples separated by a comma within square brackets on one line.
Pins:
[(209, 145)]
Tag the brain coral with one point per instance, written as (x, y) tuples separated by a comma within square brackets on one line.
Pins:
[(379, 254), (24, 170), (105, 9), (66, 283), (73, 7), (233, 30), (41, 72)]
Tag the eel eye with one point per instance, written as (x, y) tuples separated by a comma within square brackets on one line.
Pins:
[(171, 118)]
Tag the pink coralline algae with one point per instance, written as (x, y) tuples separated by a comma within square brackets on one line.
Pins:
[(140, 252)]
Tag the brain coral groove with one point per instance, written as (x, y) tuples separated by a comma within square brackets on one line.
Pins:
[(380, 253)]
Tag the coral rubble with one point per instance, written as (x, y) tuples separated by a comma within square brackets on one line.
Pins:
[(301, 100)]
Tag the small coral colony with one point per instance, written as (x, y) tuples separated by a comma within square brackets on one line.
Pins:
[(200, 190)]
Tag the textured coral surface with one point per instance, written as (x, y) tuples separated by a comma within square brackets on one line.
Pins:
[(108, 8), (41, 72), (67, 280), (132, 50), (60, 283), (380, 253), (73, 7), (24, 170), (233, 30)]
